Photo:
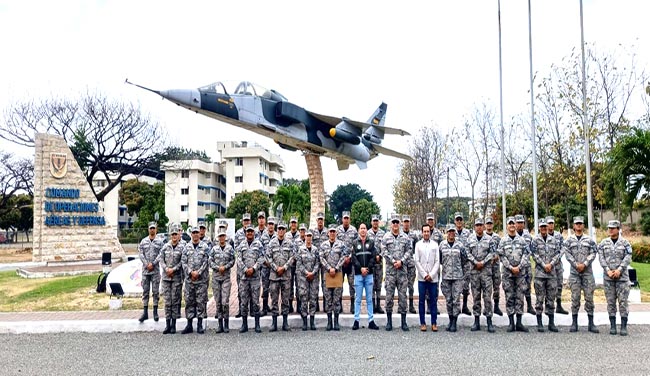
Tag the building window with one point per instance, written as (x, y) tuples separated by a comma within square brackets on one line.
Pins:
[(208, 175), (185, 173), (184, 208), (239, 161), (239, 179), (185, 191), (122, 212), (261, 179)]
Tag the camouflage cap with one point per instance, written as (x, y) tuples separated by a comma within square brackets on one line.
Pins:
[(406, 218), (578, 220), (320, 215), (332, 227), (542, 222), (294, 219), (510, 220), (430, 216), (302, 226), (519, 218), (202, 224), (613, 224), (489, 220), (308, 233), (282, 225), (451, 227), (394, 218), (223, 223), (346, 214), (270, 221), (221, 232), (261, 215), (375, 217), (246, 217), (249, 228), (458, 215), (175, 230), (153, 225), (194, 229), (478, 221), (550, 219)]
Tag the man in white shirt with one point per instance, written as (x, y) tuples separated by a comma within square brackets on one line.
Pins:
[(427, 263)]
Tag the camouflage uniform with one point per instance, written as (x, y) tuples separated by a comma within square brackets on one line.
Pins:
[(307, 260), (195, 258), (453, 258), (265, 239), (294, 237), (616, 256), (411, 271), (280, 253), (378, 272), (528, 273), (221, 256), (396, 248), (249, 256), (347, 236), (481, 250), (170, 257), (149, 251), (514, 252), (545, 251), (462, 237), (559, 267), (319, 237), (496, 268), (580, 251), (332, 256)]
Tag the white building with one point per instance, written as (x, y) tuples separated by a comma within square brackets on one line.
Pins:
[(249, 167)]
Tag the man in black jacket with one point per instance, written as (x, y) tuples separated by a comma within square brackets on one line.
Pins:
[(363, 258)]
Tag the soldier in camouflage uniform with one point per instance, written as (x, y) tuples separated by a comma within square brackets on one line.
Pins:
[(222, 259), (206, 239), (332, 256), (149, 251), (195, 262), (250, 257), (261, 225), (580, 251), (496, 266), (528, 273), (265, 239), (461, 236), (514, 253), (294, 235), (480, 251), (319, 234), (546, 252), (559, 268), (240, 236), (172, 279), (453, 257), (348, 234), (615, 255), (202, 234), (396, 250), (377, 234), (307, 269), (280, 255), (410, 265)]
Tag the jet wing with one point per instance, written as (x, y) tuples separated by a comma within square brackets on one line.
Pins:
[(334, 121), (392, 153)]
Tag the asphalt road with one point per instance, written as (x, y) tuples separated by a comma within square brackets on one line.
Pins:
[(363, 352)]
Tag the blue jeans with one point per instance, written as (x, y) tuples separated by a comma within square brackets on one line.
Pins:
[(432, 289), (361, 284)]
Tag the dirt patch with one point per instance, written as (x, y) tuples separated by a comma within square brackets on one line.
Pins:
[(10, 255)]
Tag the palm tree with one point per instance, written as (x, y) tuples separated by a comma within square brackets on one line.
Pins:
[(629, 162), (294, 202)]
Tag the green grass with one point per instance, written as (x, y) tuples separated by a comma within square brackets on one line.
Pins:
[(59, 285), (643, 275)]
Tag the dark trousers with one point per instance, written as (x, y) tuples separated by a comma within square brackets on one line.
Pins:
[(432, 289)]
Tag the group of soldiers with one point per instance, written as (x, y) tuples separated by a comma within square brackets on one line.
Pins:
[(288, 263)]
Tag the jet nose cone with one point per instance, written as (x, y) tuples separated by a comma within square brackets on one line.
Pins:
[(183, 97)]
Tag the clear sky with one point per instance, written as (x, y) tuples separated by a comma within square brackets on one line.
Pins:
[(429, 61)]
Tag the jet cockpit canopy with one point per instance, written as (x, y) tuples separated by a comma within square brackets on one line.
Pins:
[(243, 88)]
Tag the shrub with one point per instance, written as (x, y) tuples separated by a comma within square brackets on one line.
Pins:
[(645, 223), (641, 252)]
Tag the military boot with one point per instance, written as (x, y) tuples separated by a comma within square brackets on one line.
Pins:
[(452, 324), (490, 327), (411, 307), (285, 323), (624, 326), (155, 313), (511, 323), (336, 322), (199, 326), (172, 327), (466, 310), (551, 324), (574, 324), (540, 324), (558, 307), (258, 329), (497, 310), (304, 323), (145, 314), (612, 325), (244, 324), (379, 310), (592, 328), (188, 328), (168, 323), (274, 323), (226, 329), (519, 326), (329, 322), (298, 306), (265, 307), (220, 327), (352, 299), (312, 324), (405, 326), (529, 305), (477, 324), (291, 305), (389, 321)]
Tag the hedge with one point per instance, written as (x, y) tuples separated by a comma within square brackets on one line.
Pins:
[(641, 252)]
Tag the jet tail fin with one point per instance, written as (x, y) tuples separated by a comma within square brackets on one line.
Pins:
[(392, 153)]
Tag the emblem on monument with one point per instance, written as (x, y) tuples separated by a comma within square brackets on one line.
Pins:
[(58, 164)]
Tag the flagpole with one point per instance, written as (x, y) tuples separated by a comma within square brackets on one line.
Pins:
[(532, 115), (585, 127), (503, 163)]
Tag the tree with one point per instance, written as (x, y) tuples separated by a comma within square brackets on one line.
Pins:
[(362, 211), (176, 153), (144, 200), (18, 214), (294, 201), (247, 202), (344, 196), (16, 176), (107, 137), (629, 167)]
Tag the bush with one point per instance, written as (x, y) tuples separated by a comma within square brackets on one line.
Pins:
[(645, 223), (641, 252)]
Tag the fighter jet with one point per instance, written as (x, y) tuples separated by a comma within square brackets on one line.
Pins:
[(270, 114)]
